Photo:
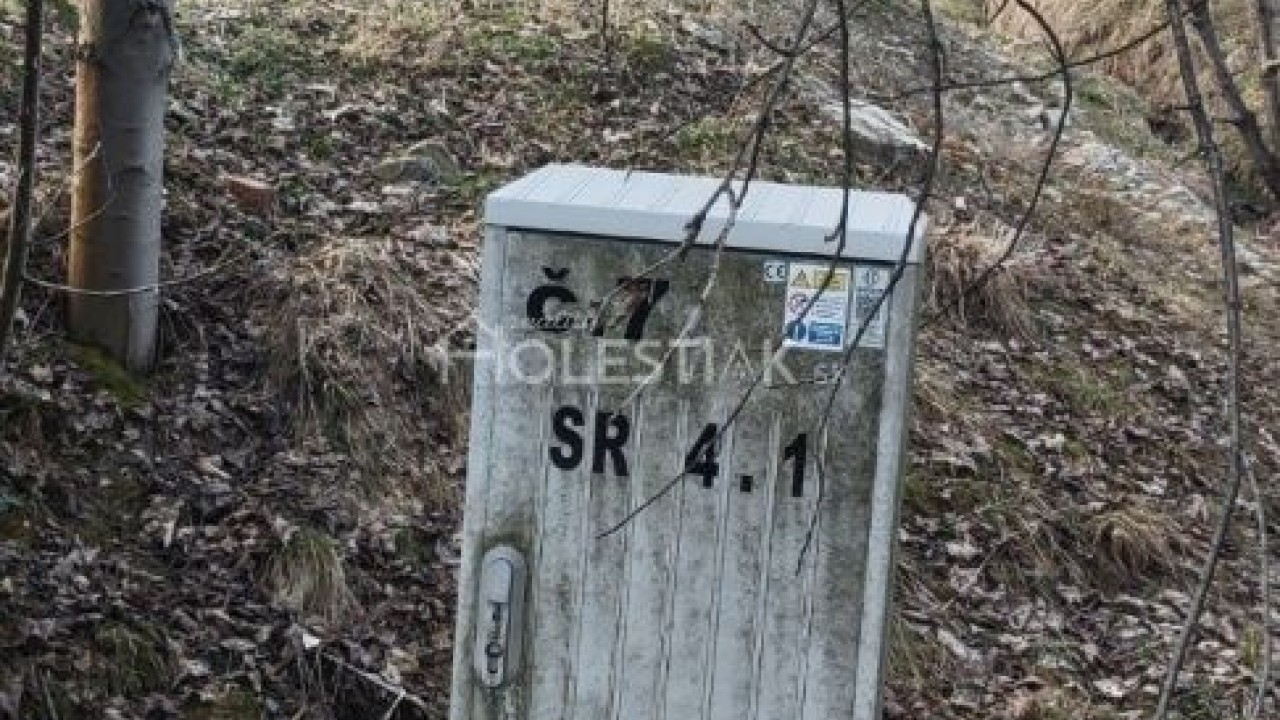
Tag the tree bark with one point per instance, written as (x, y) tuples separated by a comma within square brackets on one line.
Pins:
[(124, 57), (1265, 161), (19, 235), (1266, 16)]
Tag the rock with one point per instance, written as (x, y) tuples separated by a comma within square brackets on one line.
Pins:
[(252, 194), (430, 234), (447, 168), (878, 135), (1251, 261), (709, 37), (427, 161), (405, 169)]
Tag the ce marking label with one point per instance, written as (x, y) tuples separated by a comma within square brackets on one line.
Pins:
[(775, 272)]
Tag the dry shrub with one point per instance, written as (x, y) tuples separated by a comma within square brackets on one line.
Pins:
[(1135, 542), (959, 256), (306, 575), (355, 328)]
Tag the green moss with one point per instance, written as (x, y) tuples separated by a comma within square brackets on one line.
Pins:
[(963, 10), (524, 46), (110, 375), (649, 54), (412, 546), (706, 138)]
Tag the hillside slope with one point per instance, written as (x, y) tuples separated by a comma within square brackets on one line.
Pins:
[(266, 528)]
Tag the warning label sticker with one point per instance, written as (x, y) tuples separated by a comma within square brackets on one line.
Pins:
[(869, 284), (816, 316)]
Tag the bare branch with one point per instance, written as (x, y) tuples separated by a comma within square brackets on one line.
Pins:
[(926, 192), (1264, 575), (1226, 237), (1068, 95), (1034, 78), (227, 258), (1264, 159)]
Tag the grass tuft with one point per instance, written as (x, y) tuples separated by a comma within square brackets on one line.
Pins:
[(132, 661), (307, 575), (958, 258), (1135, 542)]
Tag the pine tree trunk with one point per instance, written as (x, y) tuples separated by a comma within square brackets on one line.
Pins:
[(124, 57)]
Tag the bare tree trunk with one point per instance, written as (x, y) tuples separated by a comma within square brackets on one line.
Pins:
[(1264, 160), (15, 260), (125, 55), (1266, 17)]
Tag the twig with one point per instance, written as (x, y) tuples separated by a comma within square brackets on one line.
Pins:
[(1068, 98), (1226, 236), (1264, 572), (226, 259), (50, 706), (400, 692), (1039, 77), (900, 268), (748, 154), (19, 243)]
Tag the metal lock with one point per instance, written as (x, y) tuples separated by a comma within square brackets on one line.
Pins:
[(500, 617)]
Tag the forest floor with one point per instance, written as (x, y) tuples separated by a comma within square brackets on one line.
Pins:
[(267, 526)]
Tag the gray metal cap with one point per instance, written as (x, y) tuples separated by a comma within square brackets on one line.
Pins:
[(790, 219)]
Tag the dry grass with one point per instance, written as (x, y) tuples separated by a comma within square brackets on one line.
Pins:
[(132, 662), (1090, 27), (1057, 703), (354, 327), (306, 575), (915, 655), (1135, 541), (957, 258)]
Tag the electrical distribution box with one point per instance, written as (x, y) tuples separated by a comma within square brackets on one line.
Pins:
[(639, 541)]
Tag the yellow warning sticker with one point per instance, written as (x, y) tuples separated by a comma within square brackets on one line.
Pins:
[(816, 313), (812, 277)]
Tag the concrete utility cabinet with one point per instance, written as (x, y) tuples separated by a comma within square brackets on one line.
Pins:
[(593, 390)]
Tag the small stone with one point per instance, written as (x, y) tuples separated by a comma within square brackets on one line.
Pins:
[(430, 234), (427, 161), (252, 194), (405, 169)]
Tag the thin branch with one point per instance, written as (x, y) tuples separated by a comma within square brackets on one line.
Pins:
[(402, 695), (931, 172), (1068, 98), (748, 154), (695, 227), (227, 258), (19, 243), (1034, 78), (1264, 573), (1226, 236)]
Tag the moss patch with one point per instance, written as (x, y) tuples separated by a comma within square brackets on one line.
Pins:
[(110, 375)]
